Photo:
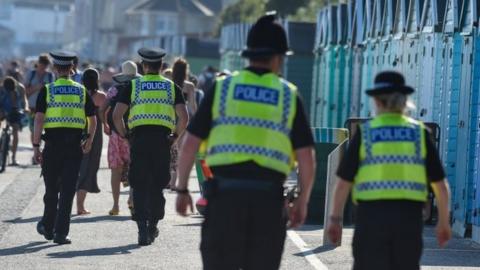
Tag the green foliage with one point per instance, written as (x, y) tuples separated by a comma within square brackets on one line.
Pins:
[(243, 11), (308, 13)]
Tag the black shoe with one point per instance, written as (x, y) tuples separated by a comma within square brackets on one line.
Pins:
[(153, 232), (62, 240), (143, 235), (41, 230)]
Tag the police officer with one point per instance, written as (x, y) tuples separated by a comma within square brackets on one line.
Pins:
[(390, 163), (255, 127), (154, 103), (62, 109)]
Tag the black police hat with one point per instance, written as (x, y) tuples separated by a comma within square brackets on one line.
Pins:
[(151, 54), (266, 37), (388, 82), (63, 58)]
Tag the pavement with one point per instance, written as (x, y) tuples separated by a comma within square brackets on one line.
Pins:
[(105, 242)]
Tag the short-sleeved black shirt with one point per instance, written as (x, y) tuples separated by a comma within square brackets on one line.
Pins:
[(201, 124), (351, 161), (125, 96), (61, 133)]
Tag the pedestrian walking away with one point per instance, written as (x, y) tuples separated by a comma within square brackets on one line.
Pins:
[(255, 126), (34, 82), (62, 109), (118, 147), (87, 178), (389, 165), (155, 102)]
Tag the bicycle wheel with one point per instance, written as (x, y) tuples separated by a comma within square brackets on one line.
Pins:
[(4, 145)]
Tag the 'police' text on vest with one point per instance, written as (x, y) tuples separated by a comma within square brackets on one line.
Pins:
[(155, 86), (257, 94), (66, 90), (392, 134)]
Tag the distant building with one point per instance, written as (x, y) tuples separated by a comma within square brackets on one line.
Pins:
[(30, 27)]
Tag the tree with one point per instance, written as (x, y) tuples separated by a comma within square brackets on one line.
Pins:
[(308, 12), (243, 11)]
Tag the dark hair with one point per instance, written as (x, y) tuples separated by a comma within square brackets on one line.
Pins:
[(139, 68), (9, 83), (62, 68), (75, 60), (179, 71), (156, 66), (90, 79), (193, 79), (165, 65), (43, 59)]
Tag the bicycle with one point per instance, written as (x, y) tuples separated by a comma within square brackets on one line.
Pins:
[(4, 146)]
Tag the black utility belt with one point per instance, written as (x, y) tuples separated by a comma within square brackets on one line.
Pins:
[(219, 184)]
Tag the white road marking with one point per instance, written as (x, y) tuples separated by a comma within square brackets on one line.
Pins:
[(309, 255)]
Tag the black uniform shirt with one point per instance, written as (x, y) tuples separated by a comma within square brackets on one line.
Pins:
[(63, 133), (300, 136), (125, 97)]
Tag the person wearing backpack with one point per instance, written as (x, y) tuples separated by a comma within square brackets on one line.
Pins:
[(36, 80)]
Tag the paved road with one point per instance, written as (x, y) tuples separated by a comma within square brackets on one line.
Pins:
[(104, 242)]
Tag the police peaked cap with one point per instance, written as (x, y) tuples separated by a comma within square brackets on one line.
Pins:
[(63, 58), (387, 82), (151, 54), (266, 37)]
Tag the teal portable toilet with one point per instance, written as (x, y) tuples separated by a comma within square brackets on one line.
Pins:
[(358, 50), (329, 110), (451, 125), (431, 39), (475, 123), (411, 67), (386, 34), (466, 113), (368, 58), (319, 71), (298, 68), (341, 99), (352, 69), (376, 36), (399, 26)]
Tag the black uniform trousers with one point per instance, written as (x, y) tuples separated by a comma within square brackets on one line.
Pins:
[(60, 167), (149, 173), (244, 229), (388, 236)]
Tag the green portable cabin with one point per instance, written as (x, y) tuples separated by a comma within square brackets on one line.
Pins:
[(368, 58), (298, 68), (232, 41), (431, 64), (319, 70), (411, 49), (341, 102), (330, 57)]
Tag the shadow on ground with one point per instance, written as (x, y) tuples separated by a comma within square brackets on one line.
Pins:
[(31, 247), (108, 251)]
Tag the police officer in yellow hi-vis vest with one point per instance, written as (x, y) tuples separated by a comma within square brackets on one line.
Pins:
[(256, 128), (155, 102), (390, 163), (62, 110)]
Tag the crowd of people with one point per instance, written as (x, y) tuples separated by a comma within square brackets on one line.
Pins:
[(20, 85)]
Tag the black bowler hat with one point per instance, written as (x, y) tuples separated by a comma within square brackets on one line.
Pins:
[(151, 54), (387, 82), (63, 58), (266, 37)]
